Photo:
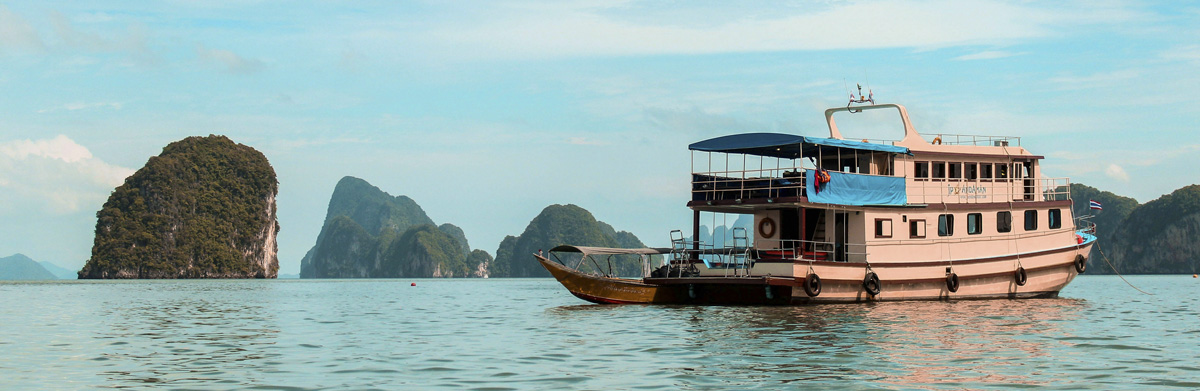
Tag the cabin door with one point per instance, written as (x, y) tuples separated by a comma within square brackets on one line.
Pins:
[(1029, 185), (789, 228), (840, 220)]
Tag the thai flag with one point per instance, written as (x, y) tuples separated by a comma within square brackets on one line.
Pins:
[(1094, 205)]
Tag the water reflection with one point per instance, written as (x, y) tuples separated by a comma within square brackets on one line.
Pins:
[(908, 344), (183, 334)]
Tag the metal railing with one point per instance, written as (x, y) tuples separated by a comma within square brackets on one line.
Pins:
[(936, 191), (812, 250), (769, 183), (977, 140)]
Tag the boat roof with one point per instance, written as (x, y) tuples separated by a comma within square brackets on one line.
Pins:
[(609, 250), (787, 146)]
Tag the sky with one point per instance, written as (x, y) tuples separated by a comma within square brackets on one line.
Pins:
[(487, 112)]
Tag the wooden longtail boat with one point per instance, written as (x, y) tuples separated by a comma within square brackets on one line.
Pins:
[(837, 220)]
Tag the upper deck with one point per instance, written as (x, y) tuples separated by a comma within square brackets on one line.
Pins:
[(747, 171)]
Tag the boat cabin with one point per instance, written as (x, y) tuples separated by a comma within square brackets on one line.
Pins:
[(841, 200)]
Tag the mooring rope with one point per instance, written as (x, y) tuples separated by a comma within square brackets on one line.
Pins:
[(1114, 269)]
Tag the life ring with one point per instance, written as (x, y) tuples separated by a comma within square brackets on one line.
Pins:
[(766, 227), (812, 285), (937, 140), (952, 282), (871, 284), (1080, 264), (1021, 276)]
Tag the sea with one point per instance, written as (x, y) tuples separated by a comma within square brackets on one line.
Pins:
[(531, 334)]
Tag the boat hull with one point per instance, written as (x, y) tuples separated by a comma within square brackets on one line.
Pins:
[(1046, 274)]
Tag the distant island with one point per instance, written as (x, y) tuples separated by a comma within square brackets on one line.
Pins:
[(203, 208), (558, 225), (368, 233), (20, 267)]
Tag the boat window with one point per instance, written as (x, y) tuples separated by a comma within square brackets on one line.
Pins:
[(921, 170), (985, 171), (1030, 220), (1055, 216), (946, 225), (883, 228), (955, 170), (974, 223), (1004, 221), (939, 170), (916, 228), (1017, 172), (971, 170), (1001, 170)]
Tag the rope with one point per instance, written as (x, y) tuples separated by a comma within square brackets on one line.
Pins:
[(1114, 269)]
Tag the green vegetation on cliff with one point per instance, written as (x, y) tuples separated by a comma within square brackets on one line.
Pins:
[(557, 225), (1116, 208), (1158, 237), (203, 208), (370, 234)]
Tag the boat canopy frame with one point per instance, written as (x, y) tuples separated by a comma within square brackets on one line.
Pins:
[(788, 146), (590, 253)]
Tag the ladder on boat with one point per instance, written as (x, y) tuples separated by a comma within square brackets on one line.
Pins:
[(737, 260)]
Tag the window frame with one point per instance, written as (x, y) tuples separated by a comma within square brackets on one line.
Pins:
[(912, 228), (933, 171), (985, 171), (879, 228), (948, 228), (1055, 218), (978, 223), (917, 170), (1004, 221), (1031, 224)]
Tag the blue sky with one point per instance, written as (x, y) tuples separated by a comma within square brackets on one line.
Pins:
[(486, 112)]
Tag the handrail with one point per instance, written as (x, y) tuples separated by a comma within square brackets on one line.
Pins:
[(940, 190), (977, 140)]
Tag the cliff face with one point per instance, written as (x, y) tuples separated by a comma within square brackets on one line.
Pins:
[(371, 234), (556, 225), (1158, 237), (203, 208)]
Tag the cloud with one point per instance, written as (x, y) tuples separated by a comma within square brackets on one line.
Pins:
[(133, 42), (1185, 53), (584, 141), (520, 31), (75, 106), (17, 33), (232, 62), (987, 55), (56, 175), (1097, 78), (1116, 172)]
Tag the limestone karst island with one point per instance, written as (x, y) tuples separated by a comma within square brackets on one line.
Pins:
[(203, 208)]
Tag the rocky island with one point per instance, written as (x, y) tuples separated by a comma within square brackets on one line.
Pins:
[(203, 208), (368, 233), (562, 224)]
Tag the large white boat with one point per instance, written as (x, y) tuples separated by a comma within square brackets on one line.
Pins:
[(837, 220)]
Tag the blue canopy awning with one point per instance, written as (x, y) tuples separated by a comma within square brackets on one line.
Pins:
[(787, 146)]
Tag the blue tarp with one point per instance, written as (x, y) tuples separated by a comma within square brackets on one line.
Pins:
[(787, 146), (857, 189)]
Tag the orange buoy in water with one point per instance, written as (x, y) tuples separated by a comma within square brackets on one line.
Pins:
[(413, 284), (1193, 276)]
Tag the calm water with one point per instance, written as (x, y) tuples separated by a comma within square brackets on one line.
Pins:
[(532, 334)]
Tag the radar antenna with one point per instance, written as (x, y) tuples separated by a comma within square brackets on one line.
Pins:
[(869, 98)]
